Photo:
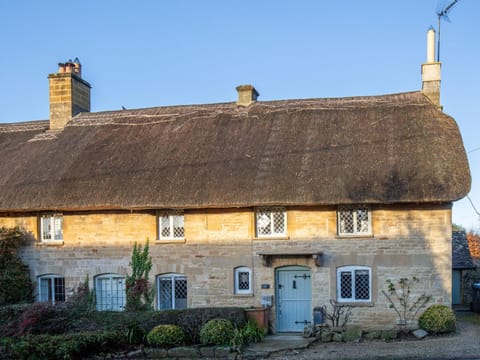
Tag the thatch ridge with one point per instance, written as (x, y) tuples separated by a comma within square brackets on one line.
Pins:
[(375, 149)]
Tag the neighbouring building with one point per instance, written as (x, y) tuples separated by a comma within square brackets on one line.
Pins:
[(292, 201), (462, 270)]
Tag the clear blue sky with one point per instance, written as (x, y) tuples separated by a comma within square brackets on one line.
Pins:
[(146, 53)]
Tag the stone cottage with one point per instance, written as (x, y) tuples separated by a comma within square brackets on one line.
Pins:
[(286, 203)]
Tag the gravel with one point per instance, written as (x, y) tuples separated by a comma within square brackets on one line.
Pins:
[(463, 344)]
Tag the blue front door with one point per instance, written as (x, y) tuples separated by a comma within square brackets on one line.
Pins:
[(294, 298)]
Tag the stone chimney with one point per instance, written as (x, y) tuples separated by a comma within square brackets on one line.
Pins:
[(247, 95), (431, 71), (69, 94)]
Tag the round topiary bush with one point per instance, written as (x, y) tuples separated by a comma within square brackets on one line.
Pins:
[(437, 319), (217, 332), (166, 336)]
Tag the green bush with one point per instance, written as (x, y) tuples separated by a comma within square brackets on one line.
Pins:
[(15, 283), (53, 347), (192, 320), (250, 333), (437, 319), (166, 336), (217, 332)]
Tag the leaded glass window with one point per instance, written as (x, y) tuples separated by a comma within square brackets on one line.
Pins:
[(354, 283), (271, 221), (243, 280), (171, 291), (171, 225), (354, 220), (110, 293)]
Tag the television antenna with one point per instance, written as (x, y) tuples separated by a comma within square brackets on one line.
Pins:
[(442, 13)]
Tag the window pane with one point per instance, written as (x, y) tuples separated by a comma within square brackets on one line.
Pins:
[(44, 290), (180, 293), (279, 223), (110, 293), (165, 226), (243, 280), (46, 228), (263, 223), (346, 285), (178, 226), (362, 220), (346, 223), (58, 227), (362, 287), (165, 293)]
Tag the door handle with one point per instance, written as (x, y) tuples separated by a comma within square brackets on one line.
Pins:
[(294, 284)]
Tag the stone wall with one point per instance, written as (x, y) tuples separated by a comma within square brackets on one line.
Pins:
[(407, 241)]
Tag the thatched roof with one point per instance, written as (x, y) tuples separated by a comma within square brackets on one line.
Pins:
[(378, 149), (461, 257)]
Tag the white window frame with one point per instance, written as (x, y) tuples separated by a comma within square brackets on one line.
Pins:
[(237, 272), (173, 277), (49, 292), (172, 217), (271, 219), (112, 298), (55, 221), (353, 210), (352, 270)]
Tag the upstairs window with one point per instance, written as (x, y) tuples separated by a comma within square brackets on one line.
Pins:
[(51, 227), (354, 284), (171, 225), (354, 220), (51, 288), (243, 280), (271, 222)]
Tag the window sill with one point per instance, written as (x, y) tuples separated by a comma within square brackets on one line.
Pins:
[(271, 238), (354, 236), (170, 241), (50, 243), (243, 295), (357, 304)]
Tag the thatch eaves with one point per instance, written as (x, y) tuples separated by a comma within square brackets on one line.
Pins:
[(379, 149)]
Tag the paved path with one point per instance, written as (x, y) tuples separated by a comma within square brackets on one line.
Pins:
[(463, 344)]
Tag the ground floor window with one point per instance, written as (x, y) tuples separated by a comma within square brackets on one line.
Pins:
[(110, 292), (354, 284), (51, 288), (243, 280), (171, 291)]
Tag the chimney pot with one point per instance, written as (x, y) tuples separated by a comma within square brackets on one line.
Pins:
[(247, 95)]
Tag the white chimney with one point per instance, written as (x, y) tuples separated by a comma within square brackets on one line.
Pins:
[(431, 71)]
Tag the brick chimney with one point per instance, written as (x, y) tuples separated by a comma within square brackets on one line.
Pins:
[(69, 94), (247, 95), (431, 71)]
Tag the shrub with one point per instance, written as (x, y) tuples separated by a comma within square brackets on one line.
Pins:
[(248, 334), (166, 336), (15, 283), (217, 332), (437, 319), (70, 346), (192, 320)]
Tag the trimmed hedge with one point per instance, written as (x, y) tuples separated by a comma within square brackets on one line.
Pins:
[(217, 332), (438, 319), (166, 336), (53, 347), (43, 318)]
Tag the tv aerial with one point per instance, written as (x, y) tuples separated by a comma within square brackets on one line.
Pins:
[(442, 13)]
